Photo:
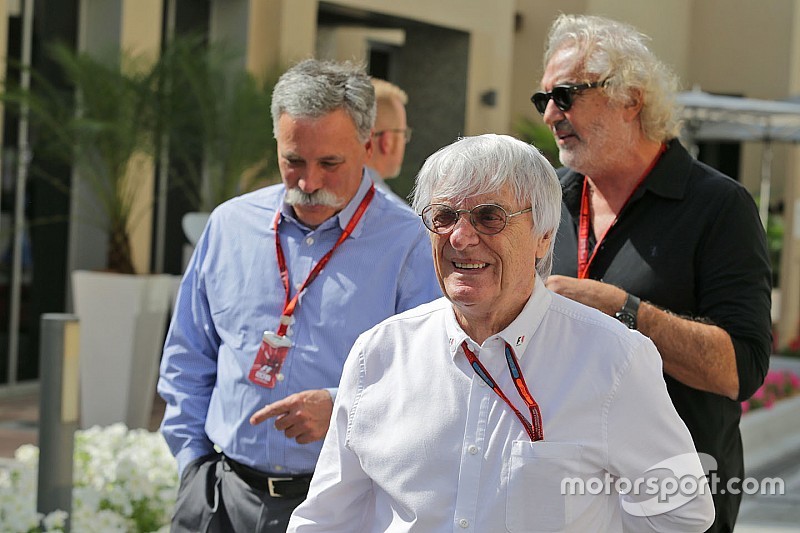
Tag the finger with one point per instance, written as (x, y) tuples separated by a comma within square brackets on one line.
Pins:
[(284, 422), (294, 431), (269, 411), (306, 438)]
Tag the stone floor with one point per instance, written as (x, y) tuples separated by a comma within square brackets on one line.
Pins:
[(778, 513)]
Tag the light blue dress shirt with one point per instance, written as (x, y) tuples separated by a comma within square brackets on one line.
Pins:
[(380, 184), (232, 292)]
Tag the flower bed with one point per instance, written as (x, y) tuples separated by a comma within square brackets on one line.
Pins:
[(778, 384), (124, 481)]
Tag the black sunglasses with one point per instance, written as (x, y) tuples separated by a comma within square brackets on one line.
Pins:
[(562, 95)]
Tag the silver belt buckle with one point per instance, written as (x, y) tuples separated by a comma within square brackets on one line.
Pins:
[(271, 485)]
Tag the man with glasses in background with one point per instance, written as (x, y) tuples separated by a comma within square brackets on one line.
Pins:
[(390, 136), (475, 412), (662, 242)]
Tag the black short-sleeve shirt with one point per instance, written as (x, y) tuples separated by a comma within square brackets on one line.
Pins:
[(690, 241)]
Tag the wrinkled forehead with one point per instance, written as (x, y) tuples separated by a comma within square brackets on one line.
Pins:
[(481, 193), (566, 65)]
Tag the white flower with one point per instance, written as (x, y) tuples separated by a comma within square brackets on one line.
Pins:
[(122, 481), (55, 521)]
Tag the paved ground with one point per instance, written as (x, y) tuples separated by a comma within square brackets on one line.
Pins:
[(19, 416), (778, 513)]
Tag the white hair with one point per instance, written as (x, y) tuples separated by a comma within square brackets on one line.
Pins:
[(485, 164), (617, 54)]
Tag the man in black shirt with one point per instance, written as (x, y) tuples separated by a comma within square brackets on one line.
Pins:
[(668, 245)]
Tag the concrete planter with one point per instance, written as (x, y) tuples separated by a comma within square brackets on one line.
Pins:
[(122, 326)]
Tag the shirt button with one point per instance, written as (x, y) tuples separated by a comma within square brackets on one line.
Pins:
[(481, 383), (464, 523), (278, 468), (297, 286), (309, 240), (472, 449)]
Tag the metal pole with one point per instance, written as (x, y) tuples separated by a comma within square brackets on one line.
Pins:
[(19, 202), (163, 164), (58, 411), (766, 176)]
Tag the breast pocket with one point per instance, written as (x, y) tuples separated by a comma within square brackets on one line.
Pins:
[(537, 471)]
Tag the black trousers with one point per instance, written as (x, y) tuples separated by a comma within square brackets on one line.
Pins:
[(212, 498)]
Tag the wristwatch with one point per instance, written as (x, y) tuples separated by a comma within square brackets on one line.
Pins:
[(627, 315)]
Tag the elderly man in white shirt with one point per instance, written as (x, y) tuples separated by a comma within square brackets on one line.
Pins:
[(503, 406)]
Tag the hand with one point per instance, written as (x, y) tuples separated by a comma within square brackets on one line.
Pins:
[(304, 416), (607, 298)]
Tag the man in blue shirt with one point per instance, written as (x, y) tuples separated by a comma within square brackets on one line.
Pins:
[(281, 283)]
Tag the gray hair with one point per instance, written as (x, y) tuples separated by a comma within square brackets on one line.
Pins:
[(487, 163), (617, 53), (314, 88)]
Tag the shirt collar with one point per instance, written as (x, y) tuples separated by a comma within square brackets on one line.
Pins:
[(342, 217), (518, 334), (670, 176)]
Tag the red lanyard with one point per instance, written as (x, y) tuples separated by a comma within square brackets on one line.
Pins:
[(585, 221), (534, 427), (290, 304)]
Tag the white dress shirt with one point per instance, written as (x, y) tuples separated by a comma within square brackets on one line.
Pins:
[(418, 442)]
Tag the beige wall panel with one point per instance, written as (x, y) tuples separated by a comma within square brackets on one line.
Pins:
[(272, 32), (490, 59), (464, 15), (300, 17), (535, 18), (263, 46), (789, 326), (141, 25), (490, 25), (668, 24), (742, 46), (352, 43)]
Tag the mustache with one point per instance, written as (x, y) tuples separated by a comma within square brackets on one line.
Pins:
[(320, 197), (563, 127)]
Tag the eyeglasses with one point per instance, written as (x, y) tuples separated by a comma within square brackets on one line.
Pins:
[(405, 131), (562, 95), (488, 219)]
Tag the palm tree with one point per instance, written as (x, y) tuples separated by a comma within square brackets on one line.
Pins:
[(217, 118), (98, 129)]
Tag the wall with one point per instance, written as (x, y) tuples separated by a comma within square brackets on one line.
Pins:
[(789, 326), (490, 29)]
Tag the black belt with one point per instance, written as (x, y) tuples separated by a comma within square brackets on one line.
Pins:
[(276, 486)]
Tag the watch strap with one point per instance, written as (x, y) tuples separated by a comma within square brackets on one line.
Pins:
[(629, 313)]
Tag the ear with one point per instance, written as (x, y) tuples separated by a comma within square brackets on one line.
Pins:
[(543, 246), (369, 146), (633, 105), (384, 143)]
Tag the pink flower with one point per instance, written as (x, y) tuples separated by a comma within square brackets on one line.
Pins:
[(778, 384)]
